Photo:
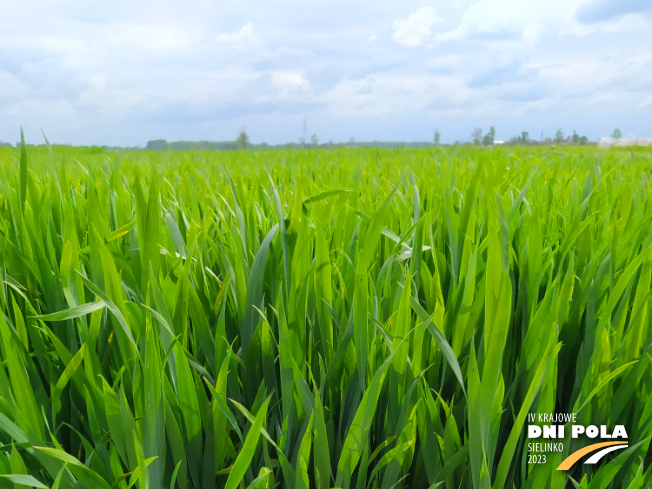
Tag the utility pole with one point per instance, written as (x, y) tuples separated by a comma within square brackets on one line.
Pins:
[(305, 130)]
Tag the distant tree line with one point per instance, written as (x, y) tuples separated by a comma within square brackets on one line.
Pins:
[(243, 142), (478, 138), (559, 139), (164, 145)]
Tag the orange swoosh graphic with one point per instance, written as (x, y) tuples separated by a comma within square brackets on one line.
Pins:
[(575, 456)]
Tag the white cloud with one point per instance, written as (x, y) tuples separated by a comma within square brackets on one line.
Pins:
[(449, 61), (507, 19), (384, 95), (164, 38), (599, 75), (244, 36), (290, 81), (11, 87), (411, 31)]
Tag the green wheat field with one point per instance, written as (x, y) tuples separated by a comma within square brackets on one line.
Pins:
[(355, 318)]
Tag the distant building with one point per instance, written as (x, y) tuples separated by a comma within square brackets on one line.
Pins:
[(498, 143), (628, 141)]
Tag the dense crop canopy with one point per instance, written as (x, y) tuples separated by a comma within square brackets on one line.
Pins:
[(350, 318)]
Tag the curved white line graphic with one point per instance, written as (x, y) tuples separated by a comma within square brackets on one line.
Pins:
[(596, 458)]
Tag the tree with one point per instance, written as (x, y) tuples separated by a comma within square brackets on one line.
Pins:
[(476, 135), (490, 137), (437, 137), (243, 139), (576, 138), (616, 134), (314, 140), (559, 136), (525, 136), (157, 145)]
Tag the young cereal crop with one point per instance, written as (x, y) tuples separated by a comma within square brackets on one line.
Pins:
[(350, 318)]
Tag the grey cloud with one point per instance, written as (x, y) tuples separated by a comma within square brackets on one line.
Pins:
[(10, 65), (524, 94), (492, 36), (441, 70), (180, 113), (512, 72), (444, 104), (603, 10)]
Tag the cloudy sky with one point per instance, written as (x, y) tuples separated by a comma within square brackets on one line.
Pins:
[(124, 72)]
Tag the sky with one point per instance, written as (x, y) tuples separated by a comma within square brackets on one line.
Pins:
[(124, 72)]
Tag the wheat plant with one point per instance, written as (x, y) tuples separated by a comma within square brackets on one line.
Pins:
[(349, 318)]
